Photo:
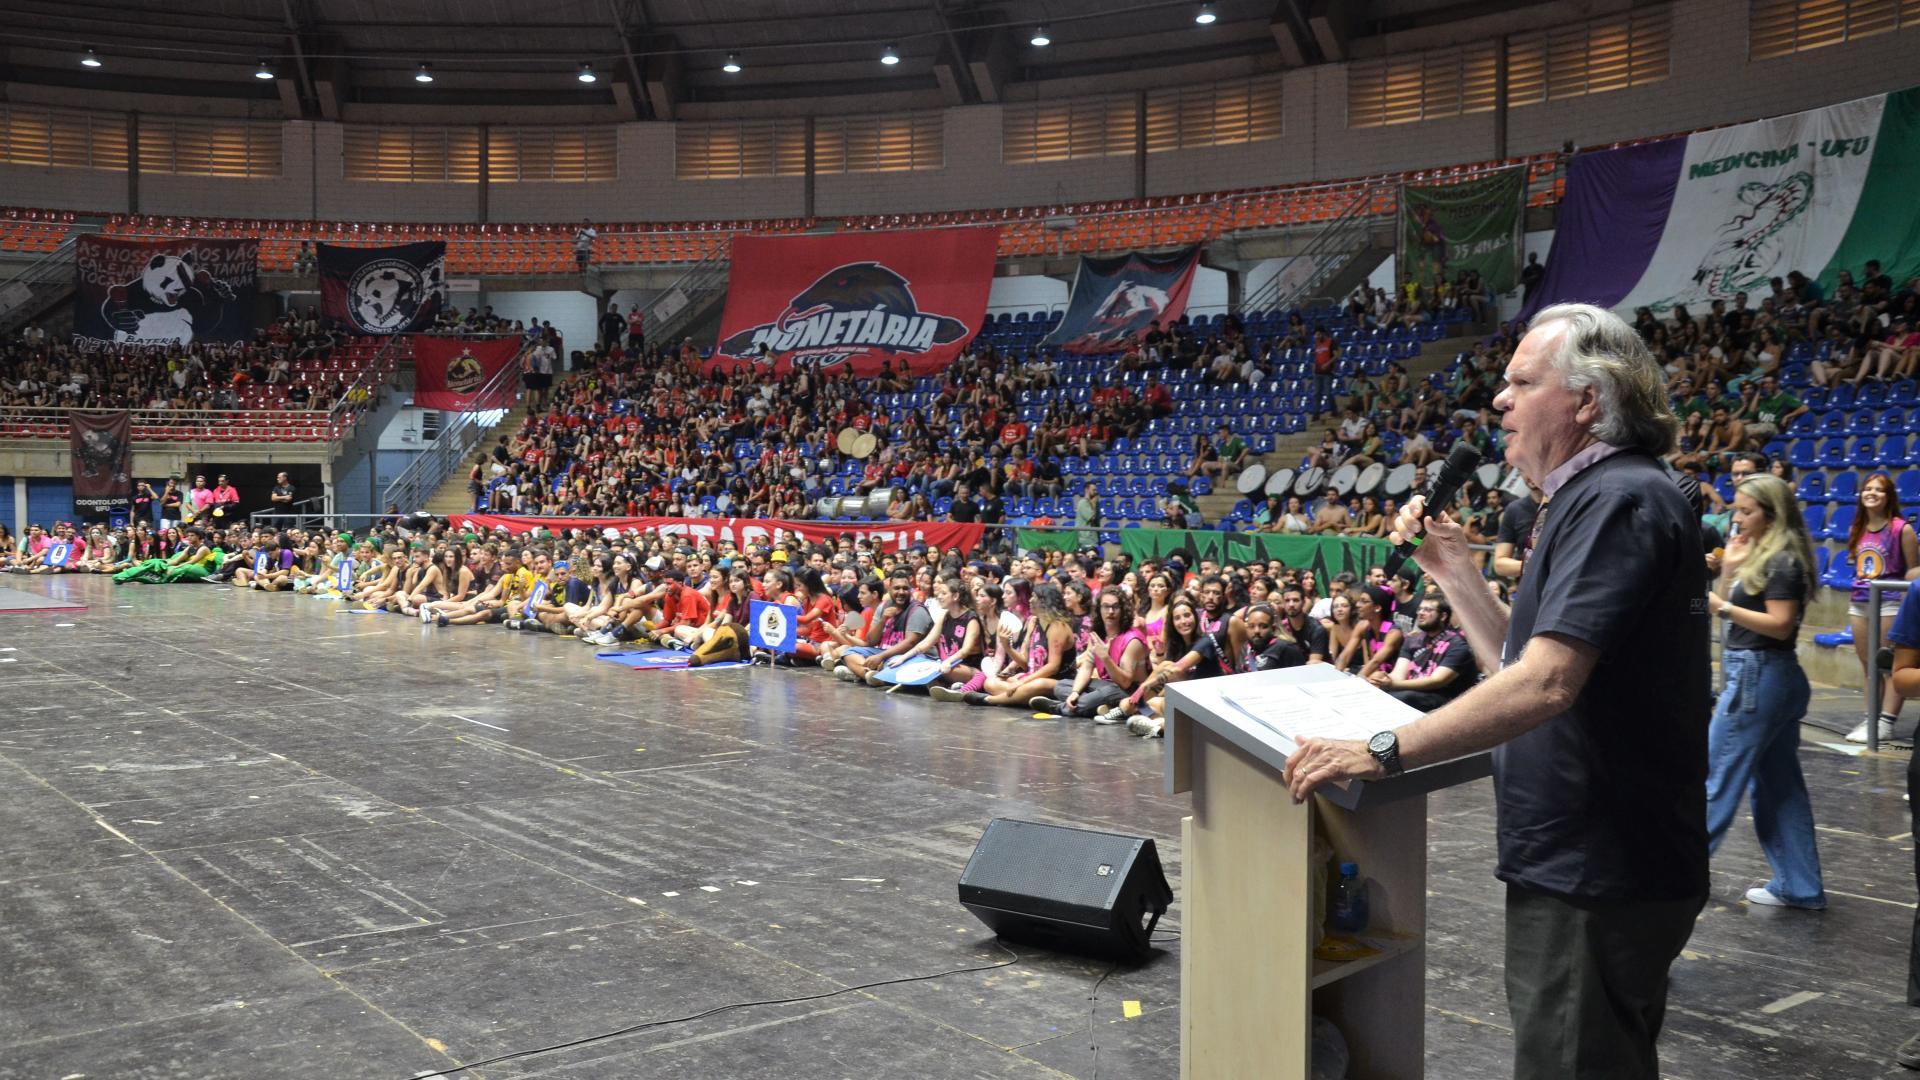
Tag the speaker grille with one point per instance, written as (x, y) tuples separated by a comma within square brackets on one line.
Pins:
[(1051, 862)]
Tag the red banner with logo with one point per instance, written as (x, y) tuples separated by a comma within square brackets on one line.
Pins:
[(890, 536), (450, 373), (909, 299)]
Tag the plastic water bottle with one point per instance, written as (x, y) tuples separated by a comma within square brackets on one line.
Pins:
[(1348, 913)]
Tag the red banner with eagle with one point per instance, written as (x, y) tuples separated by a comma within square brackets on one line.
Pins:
[(459, 374), (908, 301), (1116, 302)]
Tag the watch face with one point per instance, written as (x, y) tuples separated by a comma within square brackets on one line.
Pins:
[(1382, 743)]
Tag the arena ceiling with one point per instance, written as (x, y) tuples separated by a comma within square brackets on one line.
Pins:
[(662, 58)]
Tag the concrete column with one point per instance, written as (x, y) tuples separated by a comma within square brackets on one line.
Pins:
[(19, 506), (480, 197), (133, 162), (1140, 144), (1500, 97)]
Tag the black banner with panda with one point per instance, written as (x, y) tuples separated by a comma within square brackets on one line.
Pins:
[(163, 292), (383, 290)]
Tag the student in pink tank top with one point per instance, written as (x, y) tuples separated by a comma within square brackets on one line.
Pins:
[(1883, 548)]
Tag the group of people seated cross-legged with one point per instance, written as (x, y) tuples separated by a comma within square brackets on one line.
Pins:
[(1077, 634)]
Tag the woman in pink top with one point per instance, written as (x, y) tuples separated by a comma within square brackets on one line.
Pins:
[(1115, 662)]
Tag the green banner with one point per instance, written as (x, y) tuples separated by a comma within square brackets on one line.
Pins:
[(1049, 540), (1474, 225), (1324, 555)]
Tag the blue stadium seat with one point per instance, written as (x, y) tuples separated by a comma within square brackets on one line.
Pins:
[(1865, 453), (1813, 488), (1844, 488), (1907, 486), (1840, 522), (1801, 454), (1833, 453), (1816, 517), (1893, 451), (1839, 572)]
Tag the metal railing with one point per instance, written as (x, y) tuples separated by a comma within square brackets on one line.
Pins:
[(174, 424), (431, 467), (319, 515), (28, 293), (1330, 251), (1875, 683), (685, 300), (367, 386)]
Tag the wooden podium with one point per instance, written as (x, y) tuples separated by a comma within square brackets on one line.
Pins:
[(1250, 985)]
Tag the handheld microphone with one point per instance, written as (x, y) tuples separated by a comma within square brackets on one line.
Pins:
[(1461, 462)]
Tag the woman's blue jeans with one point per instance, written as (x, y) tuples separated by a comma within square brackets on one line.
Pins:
[(1754, 746)]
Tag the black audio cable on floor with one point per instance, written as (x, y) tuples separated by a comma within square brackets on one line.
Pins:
[(1012, 958)]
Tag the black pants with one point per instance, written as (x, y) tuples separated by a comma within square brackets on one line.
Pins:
[(1424, 700), (1587, 983)]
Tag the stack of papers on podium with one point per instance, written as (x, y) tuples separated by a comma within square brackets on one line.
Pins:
[(1328, 708)]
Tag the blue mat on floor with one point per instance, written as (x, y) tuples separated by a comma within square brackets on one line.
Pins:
[(662, 660)]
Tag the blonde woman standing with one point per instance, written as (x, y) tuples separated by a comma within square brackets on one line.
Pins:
[(1754, 742)]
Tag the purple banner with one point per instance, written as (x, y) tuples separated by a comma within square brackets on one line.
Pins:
[(1611, 220)]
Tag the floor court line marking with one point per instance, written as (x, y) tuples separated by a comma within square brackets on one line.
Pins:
[(1790, 1001), (469, 720), (1875, 899)]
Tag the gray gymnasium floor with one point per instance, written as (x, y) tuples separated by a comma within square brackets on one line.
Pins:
[(242, 836)]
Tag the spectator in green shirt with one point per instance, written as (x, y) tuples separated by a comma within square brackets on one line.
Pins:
[(1229, 455), (1774, 411)]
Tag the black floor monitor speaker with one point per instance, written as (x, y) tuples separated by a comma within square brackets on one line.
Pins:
[(1075, 889)]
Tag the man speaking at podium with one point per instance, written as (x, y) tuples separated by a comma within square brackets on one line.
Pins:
[(1596, 711)]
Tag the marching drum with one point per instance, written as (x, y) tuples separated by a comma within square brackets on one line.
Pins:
[(1252, 479), (1370, 480), (1399, 482), (1488, 474), (1280, 482), (1515, 485), (722, 502), (1344, 478), (845, 440), (1310, 480)]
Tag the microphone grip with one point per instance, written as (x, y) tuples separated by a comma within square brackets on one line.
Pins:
[(1460, 465)]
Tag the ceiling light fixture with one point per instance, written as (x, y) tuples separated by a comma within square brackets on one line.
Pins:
[(264, 71), (1040, 39), (423, 73), (586, 74), (89, 58), (890, 57), (1205, 15), (732, 66)]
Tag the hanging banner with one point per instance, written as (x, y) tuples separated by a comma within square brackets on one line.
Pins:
[(449, 373), (906, 299), (163, 292), (101, 445), (889, 536), (383, 290), (1324, 555), (1690, 220), (1115, 301), (1447, 229)]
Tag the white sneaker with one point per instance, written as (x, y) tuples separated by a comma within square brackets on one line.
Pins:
[(1147, 727), (1762, 896), (845, 673), (1111, 715), (1859, 732)]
